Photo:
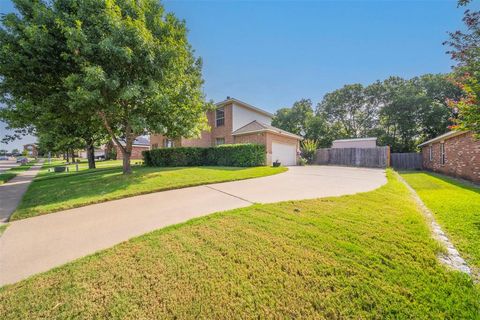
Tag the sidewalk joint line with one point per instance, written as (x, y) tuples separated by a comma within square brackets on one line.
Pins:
[(231, 195)]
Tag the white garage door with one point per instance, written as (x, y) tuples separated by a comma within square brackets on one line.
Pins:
[(285, 153)]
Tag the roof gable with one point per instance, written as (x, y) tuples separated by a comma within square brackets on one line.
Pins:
[(256, 126), (244, 105)]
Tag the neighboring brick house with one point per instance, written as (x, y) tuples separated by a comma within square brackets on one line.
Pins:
[(234, 121), (32, 150), (141, 143), (456, 153)]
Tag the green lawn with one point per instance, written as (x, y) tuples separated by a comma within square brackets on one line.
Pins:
[(456, 207), (51, 192), (365, 256), (13, 172)]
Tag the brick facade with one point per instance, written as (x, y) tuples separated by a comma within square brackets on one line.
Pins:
[(209, 138), (462, 157), (136, 151)]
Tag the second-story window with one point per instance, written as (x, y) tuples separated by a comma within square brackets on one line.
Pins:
[(220, 117)]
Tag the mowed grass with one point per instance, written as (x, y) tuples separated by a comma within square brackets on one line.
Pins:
[(52, 192), (456, 207), (365, 256), (9, 174)]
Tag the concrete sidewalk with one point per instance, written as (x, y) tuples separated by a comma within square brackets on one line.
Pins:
[(38, 244), (12, 192)]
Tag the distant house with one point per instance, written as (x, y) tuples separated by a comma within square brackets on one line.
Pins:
[(355, 143), (32, 150), (141, 143), (456, 153), (234, 121)]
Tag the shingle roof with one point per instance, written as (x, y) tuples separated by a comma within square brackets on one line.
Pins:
[(256, 126)]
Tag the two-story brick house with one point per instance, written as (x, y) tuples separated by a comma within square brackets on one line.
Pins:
[(234, 121), (455, 153)]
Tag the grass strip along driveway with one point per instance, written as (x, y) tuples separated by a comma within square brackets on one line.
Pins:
[(368, 255), (456, 206), (7, 175), (52, 192)]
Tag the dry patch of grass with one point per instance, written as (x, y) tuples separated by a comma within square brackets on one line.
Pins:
[(368, 255)]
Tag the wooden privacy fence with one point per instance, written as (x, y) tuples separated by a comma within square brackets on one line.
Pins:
[(378, 157), (412, 160)]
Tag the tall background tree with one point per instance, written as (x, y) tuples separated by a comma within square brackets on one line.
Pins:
[(401, 113)]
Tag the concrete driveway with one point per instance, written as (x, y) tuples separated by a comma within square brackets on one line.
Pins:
[(38, 244)]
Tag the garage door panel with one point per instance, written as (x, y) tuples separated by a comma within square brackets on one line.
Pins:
[(285, 153)]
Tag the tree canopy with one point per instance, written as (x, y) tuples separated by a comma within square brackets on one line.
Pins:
[(465, 50), (119, 66), (401, 113)]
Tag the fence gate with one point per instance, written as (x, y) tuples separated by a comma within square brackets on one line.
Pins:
[(358, 157), (411, 160)]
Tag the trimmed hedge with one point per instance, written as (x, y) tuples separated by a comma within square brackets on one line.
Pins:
[(231, 155)]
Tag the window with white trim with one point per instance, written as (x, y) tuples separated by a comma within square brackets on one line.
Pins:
[(442, 153), (219, 141), (220, 117), (430, 151)]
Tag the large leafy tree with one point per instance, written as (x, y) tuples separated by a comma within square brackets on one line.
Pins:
[(295, 119), (137, 69), (465, 49), (126, 64), (348, 109), (401, 113), (33, 70)]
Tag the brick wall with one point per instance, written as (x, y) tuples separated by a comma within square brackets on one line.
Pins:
[(258, 138), (224, 131), (136, 152), (462, 157)]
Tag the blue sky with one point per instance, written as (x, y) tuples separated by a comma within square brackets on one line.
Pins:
[(272, 53)]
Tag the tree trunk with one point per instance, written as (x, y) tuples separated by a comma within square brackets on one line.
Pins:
[(73, 155), (68, 156), (127, 153), (91, 155)]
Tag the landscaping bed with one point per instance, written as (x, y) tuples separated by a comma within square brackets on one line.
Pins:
[(369, 255)]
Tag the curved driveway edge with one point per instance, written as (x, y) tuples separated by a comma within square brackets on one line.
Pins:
[(40, 243)]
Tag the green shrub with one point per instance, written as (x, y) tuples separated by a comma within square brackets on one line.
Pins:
[(233, 155), (309, 148)]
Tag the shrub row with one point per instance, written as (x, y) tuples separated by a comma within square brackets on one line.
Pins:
[(232, 155)]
